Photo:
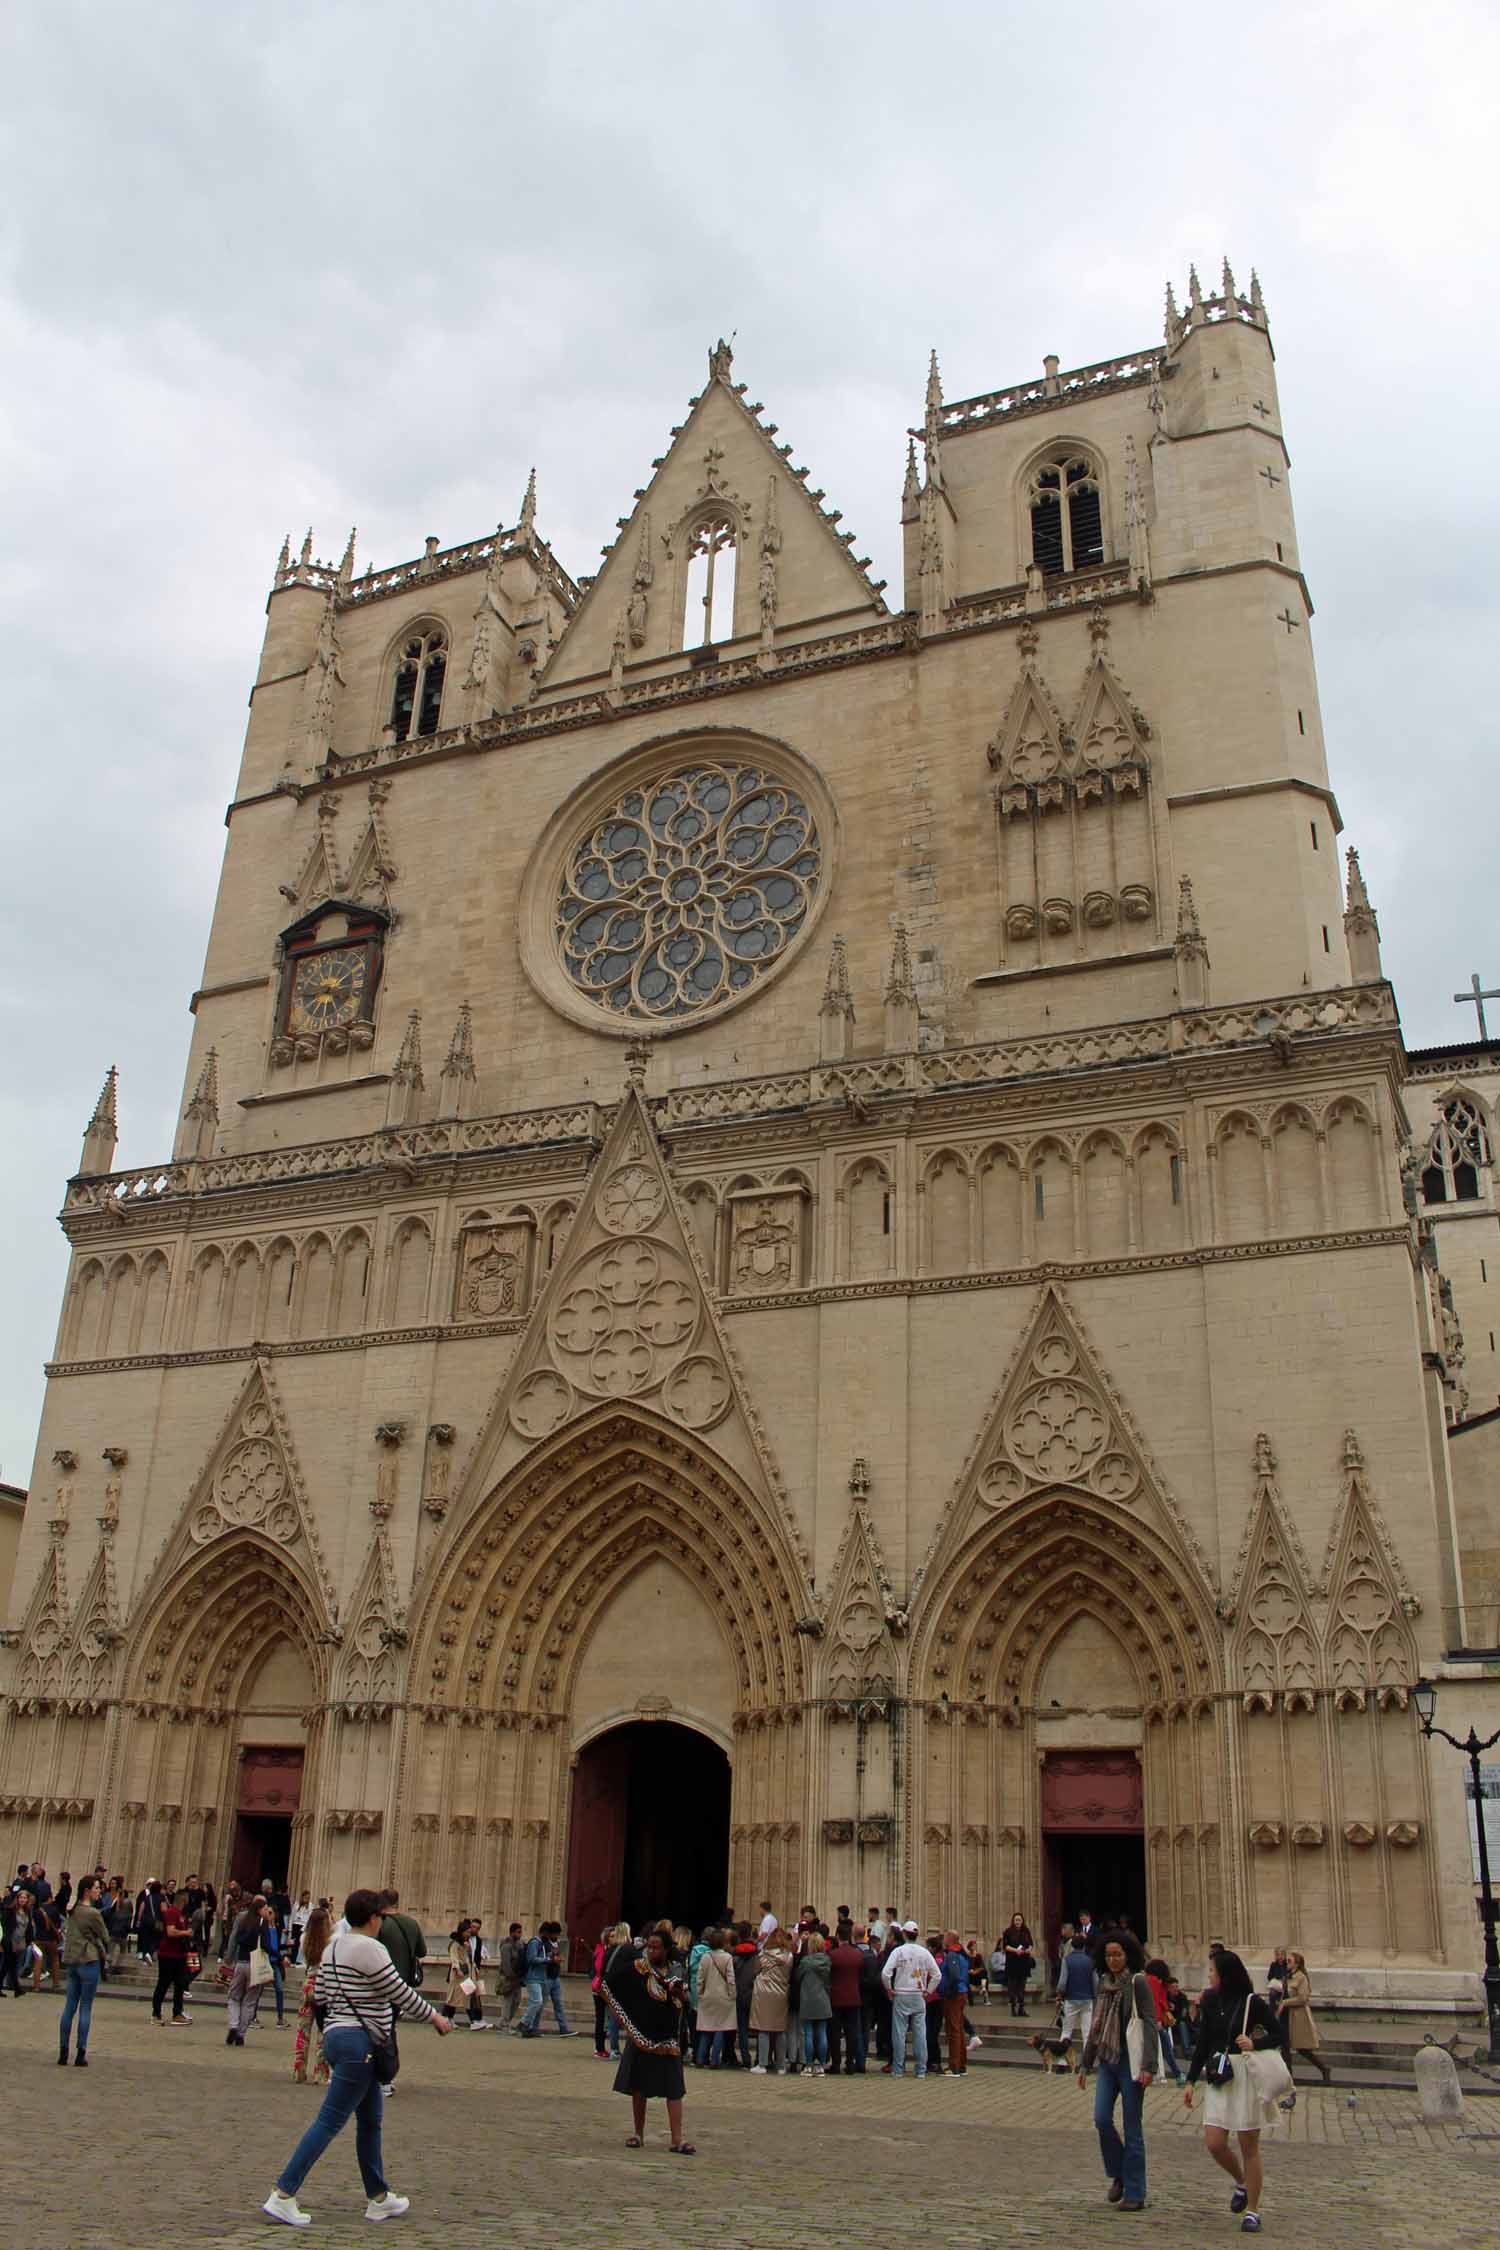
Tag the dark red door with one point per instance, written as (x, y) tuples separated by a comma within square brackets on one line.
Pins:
[(596, 1841), (1093, 1844)]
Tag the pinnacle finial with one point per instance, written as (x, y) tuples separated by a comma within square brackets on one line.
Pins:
[(1227, 283), (1187, 912), (934, 384), (1257, 301), (101, 1132), (1174, 317), (346, 566), (408, 1071), (1358, 895), (284, 559), (911, 490), (460, 1062), (1195, 290), (205, 1101), (838, 1000), (527, 524), (104, 1107), (306, 555), (899, 985)]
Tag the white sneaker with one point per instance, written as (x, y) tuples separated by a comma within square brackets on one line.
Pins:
[(387, 2206), (287, 2209), (757, 2070), (976, 2041), (481, 2025)]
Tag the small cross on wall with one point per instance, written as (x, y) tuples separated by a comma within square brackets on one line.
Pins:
[(1260, 407), (1272, 479), (1292, 624)]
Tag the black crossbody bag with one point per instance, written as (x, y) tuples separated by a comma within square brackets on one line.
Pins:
[(385, 2060), (1221, 2063)]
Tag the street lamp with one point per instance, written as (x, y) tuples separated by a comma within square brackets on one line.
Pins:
[(1424, 1696)]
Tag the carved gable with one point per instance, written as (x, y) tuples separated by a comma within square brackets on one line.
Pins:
[(376, 1629), (44, 1631), (1368, 1645), (860, 1610), (1276, 1641), (626, 1316), (1057, 1423), (96, 1629), (793, 566), (251, 1482)]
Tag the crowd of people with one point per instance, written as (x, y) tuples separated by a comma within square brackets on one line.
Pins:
[(807, 1998)]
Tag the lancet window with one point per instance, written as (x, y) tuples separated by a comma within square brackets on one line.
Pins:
[(1456, 1156), (417, 698), (711, 560), (1067, 527)]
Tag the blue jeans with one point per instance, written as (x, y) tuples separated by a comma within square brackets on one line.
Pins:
[(814, 2042), (83, 1983), (278, 1980), (1125, 2161), (713, 2046), (353, 2089), (908, 2020), (538, 1991)]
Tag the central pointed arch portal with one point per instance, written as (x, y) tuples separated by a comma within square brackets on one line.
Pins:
[(613, 1630)]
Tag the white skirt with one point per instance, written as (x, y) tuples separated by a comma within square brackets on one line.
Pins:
[(1237, 2107)]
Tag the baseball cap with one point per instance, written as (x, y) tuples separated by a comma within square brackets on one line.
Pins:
[(911, 1928)]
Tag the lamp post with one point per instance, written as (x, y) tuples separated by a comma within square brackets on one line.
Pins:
[(1424, 1696)]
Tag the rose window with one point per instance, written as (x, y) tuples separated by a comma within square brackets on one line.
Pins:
[(687, 890)]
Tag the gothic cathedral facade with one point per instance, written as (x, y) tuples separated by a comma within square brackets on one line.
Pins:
[(787, 1271)]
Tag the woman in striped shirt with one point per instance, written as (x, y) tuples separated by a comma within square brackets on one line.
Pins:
[(358, 1986)]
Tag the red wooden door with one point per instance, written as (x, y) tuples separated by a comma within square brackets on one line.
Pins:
[(596, 1842)]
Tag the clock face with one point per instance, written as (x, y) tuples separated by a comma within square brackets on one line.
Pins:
[(327, 989)]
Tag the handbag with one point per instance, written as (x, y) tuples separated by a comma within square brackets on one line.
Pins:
[(262, 1968), (385, 2060), (1221, 2063), (194, 1964), (1267, 2070)]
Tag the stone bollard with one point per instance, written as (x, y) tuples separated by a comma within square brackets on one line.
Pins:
[(1437, 2083)]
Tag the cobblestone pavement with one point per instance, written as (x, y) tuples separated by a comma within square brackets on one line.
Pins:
[(170, 2138)]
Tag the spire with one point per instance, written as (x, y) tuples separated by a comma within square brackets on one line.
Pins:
[(102, 1130), (911, 491), (404, 1094), (1227, 283), (1191, 950), (1174, 319), (200, 1120), (456, 1095), (284, 561), (1195, 295), (1137, 537), (901, 1014), (306, 555), (346, 566), (1257, 301), (932, 425), (1361, 927), (527, 524), (836, 1015)]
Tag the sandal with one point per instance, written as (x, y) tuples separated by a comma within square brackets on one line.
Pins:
[(682, 2148), (635, 2141)]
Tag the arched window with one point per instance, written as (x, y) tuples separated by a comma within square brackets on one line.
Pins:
[(418, 695), (711, 556), (1067, 529), (1456, 1155)]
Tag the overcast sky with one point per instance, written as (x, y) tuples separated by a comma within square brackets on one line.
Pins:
[(270, 265)]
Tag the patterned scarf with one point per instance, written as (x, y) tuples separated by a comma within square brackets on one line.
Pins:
[(1106, 2025), (657, 1990)]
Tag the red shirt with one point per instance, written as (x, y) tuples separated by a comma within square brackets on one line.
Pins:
[(176, 1934), (845, 1962), (1159, 1995)]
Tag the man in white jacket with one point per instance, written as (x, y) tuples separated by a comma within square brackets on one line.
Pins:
[(910, 1975)]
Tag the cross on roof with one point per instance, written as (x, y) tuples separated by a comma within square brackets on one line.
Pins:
[(1476, 999)]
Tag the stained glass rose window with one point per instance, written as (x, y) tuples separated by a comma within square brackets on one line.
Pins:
[(686, 890)]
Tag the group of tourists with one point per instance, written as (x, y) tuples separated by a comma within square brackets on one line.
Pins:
[(808, 1999)]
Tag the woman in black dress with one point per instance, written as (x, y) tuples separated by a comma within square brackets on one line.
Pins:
[(645, 1993), (1016, 1946)]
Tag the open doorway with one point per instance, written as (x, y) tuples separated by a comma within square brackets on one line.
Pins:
[(270, 1790), (649, 1830), (1104, 1874)]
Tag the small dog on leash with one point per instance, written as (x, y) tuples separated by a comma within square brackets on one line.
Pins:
[(1055, 2051)]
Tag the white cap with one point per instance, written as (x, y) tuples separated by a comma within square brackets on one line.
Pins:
[(911, 1927)]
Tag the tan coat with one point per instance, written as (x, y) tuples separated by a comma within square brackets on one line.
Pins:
[(1301, 2031), (716, 2007), (460, 1965), (768, 1994)]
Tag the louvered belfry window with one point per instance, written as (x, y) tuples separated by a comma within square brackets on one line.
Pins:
[(1067, 530), (417, 700)]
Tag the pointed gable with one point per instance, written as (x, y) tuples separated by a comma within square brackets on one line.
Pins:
[(251, 1482), (1275, 1639), (1057, 1423), (1369, 1644), (626, 1317), (793, 567), (860, 1607), (1031, 749), (44, 1630), (1108, 731), (376, 1629)]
